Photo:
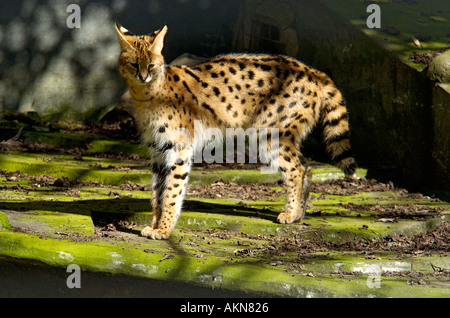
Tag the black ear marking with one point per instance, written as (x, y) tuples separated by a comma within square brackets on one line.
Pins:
[(123, 30)]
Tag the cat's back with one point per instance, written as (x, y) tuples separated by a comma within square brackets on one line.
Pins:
[(254, 72)]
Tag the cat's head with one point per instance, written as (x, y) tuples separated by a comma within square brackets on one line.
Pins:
[(141, 60)]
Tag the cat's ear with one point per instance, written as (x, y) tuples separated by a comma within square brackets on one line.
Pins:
[(158, 42), (121, 32)]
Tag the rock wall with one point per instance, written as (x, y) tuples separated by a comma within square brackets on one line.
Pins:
[(71, 72), (441, 137), (390, 104)]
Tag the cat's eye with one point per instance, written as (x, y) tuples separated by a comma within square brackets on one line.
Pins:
[(151, 66), (135, 65)]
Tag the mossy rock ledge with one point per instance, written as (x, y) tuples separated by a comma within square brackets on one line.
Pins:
[(440, 68), (221, 241)]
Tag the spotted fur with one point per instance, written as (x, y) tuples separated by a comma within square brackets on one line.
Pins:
[(237, 90)]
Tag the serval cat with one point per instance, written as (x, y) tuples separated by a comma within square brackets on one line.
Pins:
[(227, 91)]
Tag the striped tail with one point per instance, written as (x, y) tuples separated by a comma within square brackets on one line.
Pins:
[(336, 131)]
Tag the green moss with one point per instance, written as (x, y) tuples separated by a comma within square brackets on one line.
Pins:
[(116, 147), (329, 218), (69, 141), (325, 172), (149, 259), (107, 172), (92, 255), (238, 176), (67, 223), (88, 169), (426, 18), (210, 245), (331, 172), (4, 222), (439, 69)]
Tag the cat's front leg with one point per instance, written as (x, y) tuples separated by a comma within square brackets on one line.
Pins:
[(171, 184), (159, 175)]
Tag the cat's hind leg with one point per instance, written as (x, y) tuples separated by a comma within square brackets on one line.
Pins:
[(297, 179)]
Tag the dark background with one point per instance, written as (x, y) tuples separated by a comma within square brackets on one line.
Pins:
[(399, 118)]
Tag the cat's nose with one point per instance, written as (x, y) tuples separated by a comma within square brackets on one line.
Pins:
[(144, 78)]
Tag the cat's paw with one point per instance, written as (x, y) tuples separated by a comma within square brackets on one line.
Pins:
[(156, 234), (285, 218)]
